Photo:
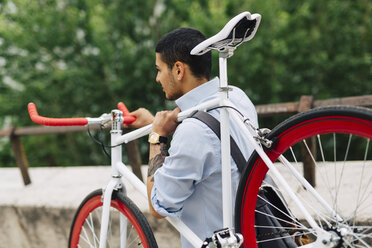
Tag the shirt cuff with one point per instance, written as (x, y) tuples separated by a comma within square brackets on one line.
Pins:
[(159, 208)]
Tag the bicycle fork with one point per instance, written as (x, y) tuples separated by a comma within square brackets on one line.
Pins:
[(113, 184)]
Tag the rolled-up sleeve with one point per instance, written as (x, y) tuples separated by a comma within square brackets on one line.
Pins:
[(183, 169)]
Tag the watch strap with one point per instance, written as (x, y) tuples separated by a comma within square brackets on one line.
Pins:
[(156, 139), (163, 139)]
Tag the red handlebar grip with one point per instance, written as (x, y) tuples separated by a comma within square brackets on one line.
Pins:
[(123, 108), (128, 119), (35, 117)]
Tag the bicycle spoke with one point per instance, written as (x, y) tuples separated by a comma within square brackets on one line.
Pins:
[(335, 170), (283, 227), (95, 238), (328, 186), (343, 166), (364, 235), (316, 165), (366, 193), (86, 238), (136, 241), (319, 222), (274, 217), (361, 178), (360, 240), (91, 227), (360, 209), (272, 205), (321, 217)]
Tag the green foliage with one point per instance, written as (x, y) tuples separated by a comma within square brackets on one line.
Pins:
[(80, 57)]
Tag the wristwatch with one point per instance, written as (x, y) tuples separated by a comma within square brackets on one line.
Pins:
[(155, 138)]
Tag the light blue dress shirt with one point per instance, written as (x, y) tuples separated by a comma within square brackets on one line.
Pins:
[(188, 185)]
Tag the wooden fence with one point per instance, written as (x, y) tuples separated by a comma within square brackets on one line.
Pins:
[(305, 103)]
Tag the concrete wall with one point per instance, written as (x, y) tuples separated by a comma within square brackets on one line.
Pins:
[(37, 227), (31, 227), (40, 214)]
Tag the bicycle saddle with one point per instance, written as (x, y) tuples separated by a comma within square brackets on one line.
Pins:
[(240, 29)]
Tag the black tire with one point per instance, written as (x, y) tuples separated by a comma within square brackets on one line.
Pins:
[(85, 227), (345, 131)]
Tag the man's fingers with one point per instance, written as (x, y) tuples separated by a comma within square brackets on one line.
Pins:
[(144, 117), (175, 113), (136, 112)]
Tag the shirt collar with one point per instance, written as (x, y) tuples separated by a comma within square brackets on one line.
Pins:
[(198, 94)]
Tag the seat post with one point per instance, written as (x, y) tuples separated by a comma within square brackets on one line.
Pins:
[(223, 71), (225, 141), (223, 56)]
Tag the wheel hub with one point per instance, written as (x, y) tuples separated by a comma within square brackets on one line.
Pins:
[(340, 237)]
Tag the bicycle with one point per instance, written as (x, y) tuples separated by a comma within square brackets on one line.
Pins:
[(322, 220)]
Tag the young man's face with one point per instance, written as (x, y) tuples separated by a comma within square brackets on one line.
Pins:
[(166, 78)]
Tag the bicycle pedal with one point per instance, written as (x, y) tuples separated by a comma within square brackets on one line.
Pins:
[(224, 238)]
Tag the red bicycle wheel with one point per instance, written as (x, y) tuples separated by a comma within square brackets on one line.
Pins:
[(85, 228), (336, 141)]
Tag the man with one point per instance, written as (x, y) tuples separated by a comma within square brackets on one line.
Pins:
[(187, 182)]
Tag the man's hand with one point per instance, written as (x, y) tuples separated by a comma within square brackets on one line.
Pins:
[(165, 122), (144, 117)]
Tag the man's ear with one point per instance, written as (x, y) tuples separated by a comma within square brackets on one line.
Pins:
[(179, 70)]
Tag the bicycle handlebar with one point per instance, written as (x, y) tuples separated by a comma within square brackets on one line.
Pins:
[(80, 121), (35, 117)]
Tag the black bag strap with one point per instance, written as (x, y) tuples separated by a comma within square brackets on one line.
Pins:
[(214, 125)]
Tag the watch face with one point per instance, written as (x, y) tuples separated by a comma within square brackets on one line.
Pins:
[(154, 138)]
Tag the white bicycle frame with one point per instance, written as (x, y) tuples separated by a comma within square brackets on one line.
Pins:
[(120, 170)]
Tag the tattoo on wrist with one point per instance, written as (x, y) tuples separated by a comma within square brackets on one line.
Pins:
[(157, 161)]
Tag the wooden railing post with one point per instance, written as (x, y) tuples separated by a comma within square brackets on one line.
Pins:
[(134, 158), (20, 156), (306, 103)]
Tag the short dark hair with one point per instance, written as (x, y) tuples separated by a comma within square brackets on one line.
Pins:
[(177, 45)]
